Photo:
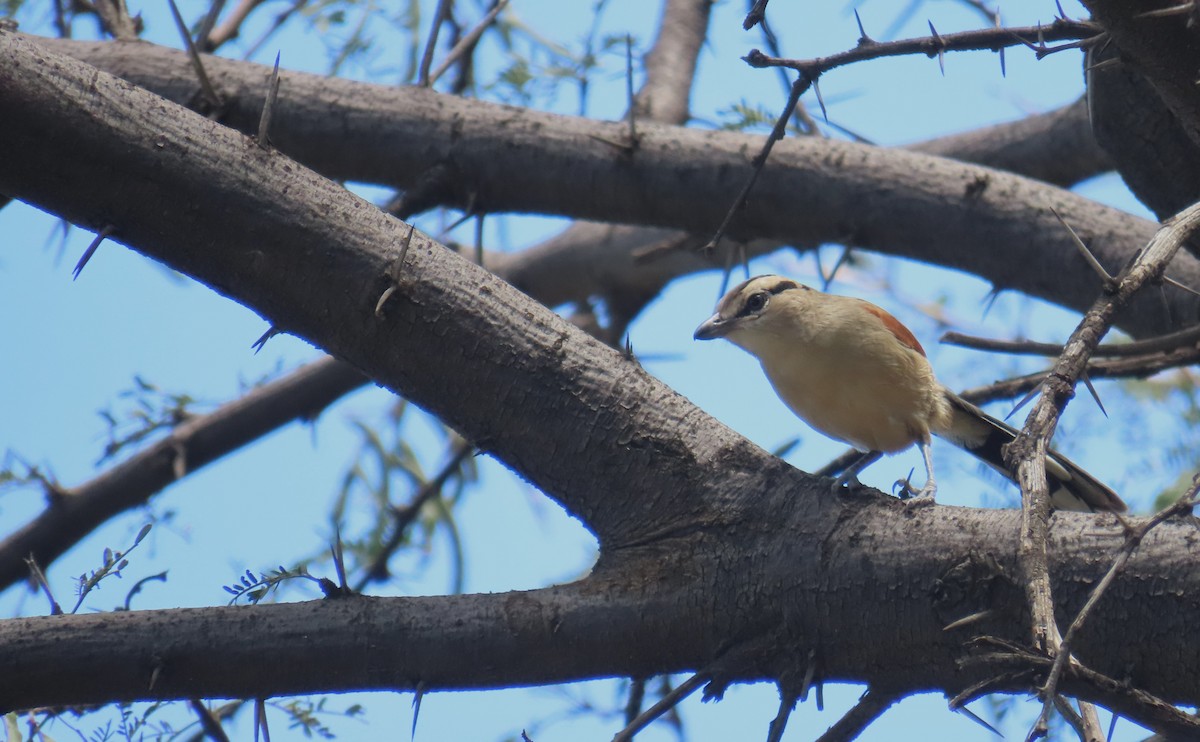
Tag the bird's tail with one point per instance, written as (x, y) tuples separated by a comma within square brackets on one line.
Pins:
[(1071, 488)]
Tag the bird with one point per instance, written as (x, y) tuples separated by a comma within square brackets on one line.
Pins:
[(855, 373)]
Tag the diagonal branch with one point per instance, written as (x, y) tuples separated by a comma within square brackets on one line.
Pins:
[(925, 208), (1028, 452), (869, 708), (135, 481), (171, 158)]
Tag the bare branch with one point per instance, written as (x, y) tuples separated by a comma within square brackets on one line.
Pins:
[(869, 708), (231, 27), (1029, 450), (444, 8), (467, 42), (987, 39), (1181, 507), (665, 704), (202, 439)]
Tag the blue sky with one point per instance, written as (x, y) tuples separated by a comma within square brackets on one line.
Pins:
[(73, 346)]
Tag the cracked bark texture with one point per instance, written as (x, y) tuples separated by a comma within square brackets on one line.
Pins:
[(711, 549)]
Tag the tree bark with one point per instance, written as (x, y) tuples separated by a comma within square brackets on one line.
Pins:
[(992, 224), (712, 550)]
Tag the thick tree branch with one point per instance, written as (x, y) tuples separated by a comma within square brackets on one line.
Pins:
[(865, 626), (68, 519), (671, 63), (1056, 147), (992, 224), (288, 218), (688, 514), (1163, 49)]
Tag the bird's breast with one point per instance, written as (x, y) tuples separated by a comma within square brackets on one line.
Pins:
[(873, 402)]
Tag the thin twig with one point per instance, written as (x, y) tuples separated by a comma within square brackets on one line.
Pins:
[(666, 703), (869, 707), (439, 17), (986, 39), (787, 703), (757, 13), (206, 25), (468, 41), (208, 721), (114, 17), (479, 240), (1137, 705), (60, 20), (404, 516), (231, 27), (1133, 539), (276, 24), (1186, 338), (637, 694), (1138, 367), (803, 82)]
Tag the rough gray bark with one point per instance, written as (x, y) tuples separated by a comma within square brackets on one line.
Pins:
[(1056, 147), (993, 224), (1162, 48), (710, 548)]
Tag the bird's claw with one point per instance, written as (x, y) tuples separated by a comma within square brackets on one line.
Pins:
[(847, 484), (915, 497)]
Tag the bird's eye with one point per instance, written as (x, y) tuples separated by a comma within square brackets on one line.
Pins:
[(757, 302)]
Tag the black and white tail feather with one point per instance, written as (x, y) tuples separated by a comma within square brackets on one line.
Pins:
[(1071, 488)]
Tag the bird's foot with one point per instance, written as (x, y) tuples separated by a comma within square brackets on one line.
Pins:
[(912, 496), (849, 485)]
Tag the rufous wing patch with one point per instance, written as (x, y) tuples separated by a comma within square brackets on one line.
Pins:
[(894, 326)]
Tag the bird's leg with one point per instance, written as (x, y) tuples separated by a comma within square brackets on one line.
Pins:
[(923, 496), (849, 477)]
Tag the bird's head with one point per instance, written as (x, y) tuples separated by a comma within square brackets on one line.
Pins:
[(755, 311)]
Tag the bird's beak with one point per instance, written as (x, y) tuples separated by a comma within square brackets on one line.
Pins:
[(713, 327)]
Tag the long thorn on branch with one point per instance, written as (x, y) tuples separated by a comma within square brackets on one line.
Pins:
[(264, 121), (206, 86), (101, 236)]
